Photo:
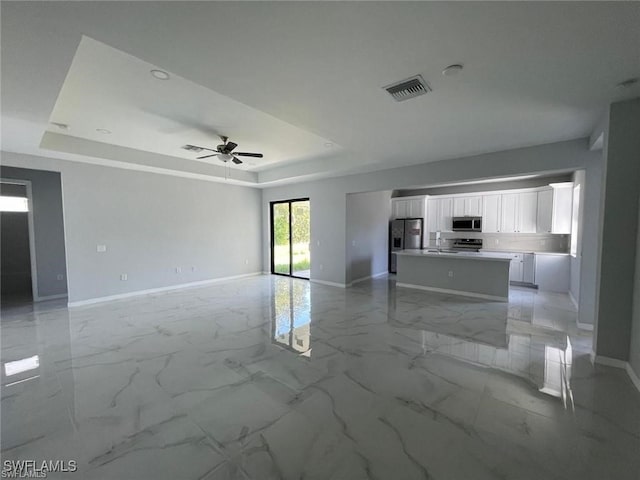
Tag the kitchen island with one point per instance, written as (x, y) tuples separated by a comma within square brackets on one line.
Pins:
[(472, 274)]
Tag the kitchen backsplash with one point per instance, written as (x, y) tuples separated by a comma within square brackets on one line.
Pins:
[(535, 242)]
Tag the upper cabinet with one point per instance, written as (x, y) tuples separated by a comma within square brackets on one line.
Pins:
[(408, 207), (544, 222), (527, 212), (467, 206), (519, 212), (562, 206), (440, 214), (491, 212), (532, 210)]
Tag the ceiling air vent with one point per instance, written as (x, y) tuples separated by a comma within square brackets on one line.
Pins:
[(406, 89)]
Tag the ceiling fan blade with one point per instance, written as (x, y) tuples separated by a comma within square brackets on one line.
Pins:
[(247, 154), (207, 156), (236, 160), (229, 146)]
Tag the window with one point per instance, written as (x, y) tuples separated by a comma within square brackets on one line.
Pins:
[(575, 215), (14, 204)]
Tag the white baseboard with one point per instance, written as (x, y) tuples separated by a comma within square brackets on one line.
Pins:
[(633, 376), (368, 277), (615, 363), (454, 292), (326, 282), (138, 293), (50, 297), (584, 326), (608, 361)]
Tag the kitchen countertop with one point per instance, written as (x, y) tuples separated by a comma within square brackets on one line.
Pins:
[(493, 250), (486, 256)]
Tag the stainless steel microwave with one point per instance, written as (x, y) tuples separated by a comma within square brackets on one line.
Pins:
[(467, 224)]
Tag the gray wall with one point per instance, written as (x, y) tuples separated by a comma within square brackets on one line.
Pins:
[(485, 187), (619, 229), (48, 224), (634, 354), (151, 224), (367, 232)]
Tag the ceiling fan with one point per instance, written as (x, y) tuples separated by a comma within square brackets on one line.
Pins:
[(223, 151)]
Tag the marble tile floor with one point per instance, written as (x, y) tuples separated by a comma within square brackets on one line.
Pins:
[(277, 378)]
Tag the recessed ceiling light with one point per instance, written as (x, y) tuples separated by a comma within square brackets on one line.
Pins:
[(452, 70), (61, 126), (160, 74), (104, 131), (628, 83)]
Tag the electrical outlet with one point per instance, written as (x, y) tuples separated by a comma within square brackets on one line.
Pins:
[(497, 241), (246, 261), (101, 248), (353, 243), (178, 269), (124, 277), (318, 242), (451, 273)]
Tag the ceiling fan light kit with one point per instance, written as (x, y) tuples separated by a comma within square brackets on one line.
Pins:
[(224, 151)]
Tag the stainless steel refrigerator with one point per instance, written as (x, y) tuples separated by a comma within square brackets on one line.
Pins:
[(404, 233)]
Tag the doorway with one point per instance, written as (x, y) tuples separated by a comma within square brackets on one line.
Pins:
[(291, 238), (17, 248)]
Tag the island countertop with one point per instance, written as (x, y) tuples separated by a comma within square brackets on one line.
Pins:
[(485, 256)]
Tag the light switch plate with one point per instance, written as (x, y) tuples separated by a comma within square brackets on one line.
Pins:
[(101, 248)]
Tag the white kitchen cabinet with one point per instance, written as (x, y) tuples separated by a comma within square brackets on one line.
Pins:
[(562, 207), (446, 214), (527, 212), (519, 212), (469, 206), (439, 214), (509, 213), (515, 268), (433, 215), (408, 207), (399, 208), (415, 207), (552, 272), (491, 213), (545, 211)]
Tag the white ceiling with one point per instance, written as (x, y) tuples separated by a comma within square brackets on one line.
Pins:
[(109, 89), (311, 72)]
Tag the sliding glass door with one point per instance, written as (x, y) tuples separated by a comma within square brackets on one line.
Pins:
[(290, 238)]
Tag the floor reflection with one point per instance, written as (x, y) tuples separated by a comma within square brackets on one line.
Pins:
[(291, 315)]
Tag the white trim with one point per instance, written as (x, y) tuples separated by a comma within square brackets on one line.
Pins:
[(51, 297), (584, 326), (454, 292), (368, 277), (608, 361), (326, 282), (633, 376), (138, 293), (573, 300)]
